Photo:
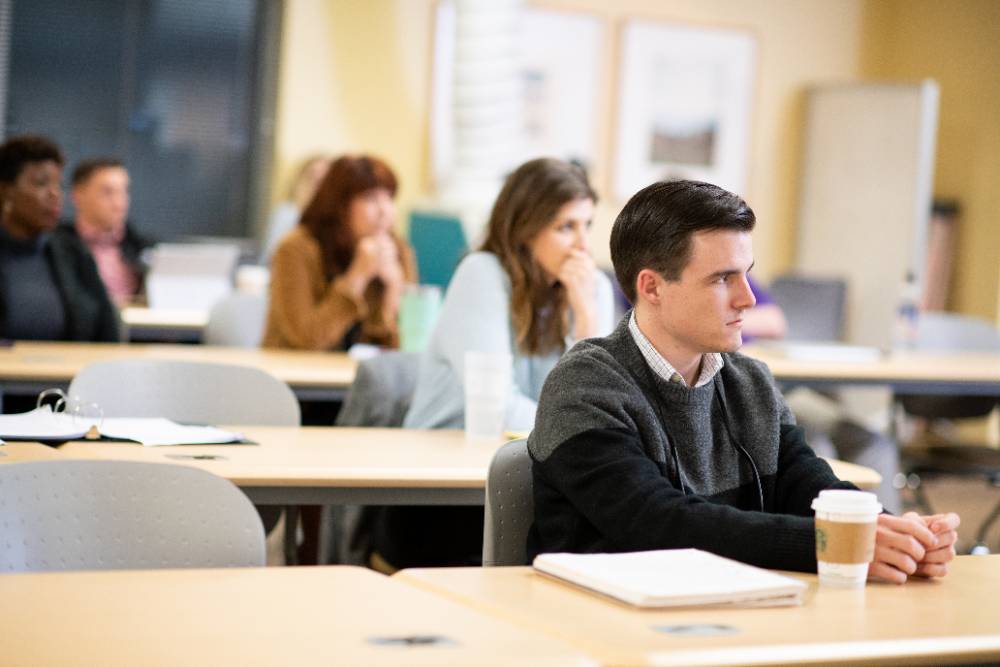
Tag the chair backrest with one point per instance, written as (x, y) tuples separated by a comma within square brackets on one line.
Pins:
[(439, 243), (381, 392), (187, 391), (813, 307), (111, 515), (510, 506), (236, 320)]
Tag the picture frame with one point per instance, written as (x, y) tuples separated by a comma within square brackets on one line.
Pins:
[(559, 81), (684, 105)]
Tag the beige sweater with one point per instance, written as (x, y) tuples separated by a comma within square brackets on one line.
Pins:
[(306, 313)]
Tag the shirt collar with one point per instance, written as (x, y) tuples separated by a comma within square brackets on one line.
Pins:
[(711, 362)]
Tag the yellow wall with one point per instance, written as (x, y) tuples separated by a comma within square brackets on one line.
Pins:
[(957, 43), (355, 75)]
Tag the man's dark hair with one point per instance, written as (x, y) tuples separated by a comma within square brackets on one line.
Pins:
[(87, 168), (19, 151), (654, 229)]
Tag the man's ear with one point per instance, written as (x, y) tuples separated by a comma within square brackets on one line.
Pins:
[(649, 286)]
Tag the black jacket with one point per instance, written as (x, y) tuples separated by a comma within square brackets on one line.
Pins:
[(90, 315)]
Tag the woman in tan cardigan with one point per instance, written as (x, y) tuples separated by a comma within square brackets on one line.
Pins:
[(336, 278)]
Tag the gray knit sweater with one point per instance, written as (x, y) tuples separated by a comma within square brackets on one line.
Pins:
[(625, 461)]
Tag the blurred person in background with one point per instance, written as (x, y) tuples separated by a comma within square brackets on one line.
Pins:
[(49, 285), (286, 214), (531, 292), (337, 277), (101, 197)]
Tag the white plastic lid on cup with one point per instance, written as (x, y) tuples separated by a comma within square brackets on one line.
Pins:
[(857, 505)]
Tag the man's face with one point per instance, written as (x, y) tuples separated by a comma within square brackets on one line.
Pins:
[(103, 199), (702, 312)]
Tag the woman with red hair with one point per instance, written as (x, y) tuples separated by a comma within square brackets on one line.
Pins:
[(336, 278)]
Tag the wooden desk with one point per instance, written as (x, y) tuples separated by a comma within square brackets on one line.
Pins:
[(21, 452), (30, 366), (954, 620), (915, 372), (333, 465), (329, 465), (251, 616)]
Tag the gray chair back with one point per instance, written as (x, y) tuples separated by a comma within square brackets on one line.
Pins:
[(112, 515), (381, 392), (187, 391), (813, 307), (510, 506), (236, 320)]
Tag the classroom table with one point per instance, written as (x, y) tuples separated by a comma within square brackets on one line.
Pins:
[(328, 465), (949, 621), (28, 367), (253, 616), (23, 452), (904, 371)]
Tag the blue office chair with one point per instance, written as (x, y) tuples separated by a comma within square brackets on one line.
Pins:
[(439, 243)]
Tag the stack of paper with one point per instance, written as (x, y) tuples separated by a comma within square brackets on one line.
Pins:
[(43, 424), (673, 578)]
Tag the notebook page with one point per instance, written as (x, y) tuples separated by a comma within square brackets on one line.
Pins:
[(157, 431), (40, 424)]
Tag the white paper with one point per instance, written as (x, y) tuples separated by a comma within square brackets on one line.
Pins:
[(154, 432), (40, 424), (43, 424)]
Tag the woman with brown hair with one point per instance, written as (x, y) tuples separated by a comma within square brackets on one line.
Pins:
[(530, 292), (336, 278)]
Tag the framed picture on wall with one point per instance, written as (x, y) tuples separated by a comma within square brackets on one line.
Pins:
[(685, 101), (558, 59)]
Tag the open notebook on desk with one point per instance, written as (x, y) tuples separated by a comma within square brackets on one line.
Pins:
[(44, 425), (673, 578)]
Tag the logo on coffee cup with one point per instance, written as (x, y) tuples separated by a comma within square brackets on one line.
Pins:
[(820, 540)]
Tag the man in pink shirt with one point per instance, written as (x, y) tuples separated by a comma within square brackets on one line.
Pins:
[(101, 197)]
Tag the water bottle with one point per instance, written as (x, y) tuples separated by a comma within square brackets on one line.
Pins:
[(907, 314)]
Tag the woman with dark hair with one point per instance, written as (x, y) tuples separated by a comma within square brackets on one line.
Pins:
[(49, 285), (531, 292), (336, 278)]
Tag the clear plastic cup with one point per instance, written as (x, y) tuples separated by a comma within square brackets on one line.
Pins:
[(488, 378)]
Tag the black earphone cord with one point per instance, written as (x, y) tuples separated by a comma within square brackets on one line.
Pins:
[(729, 432)]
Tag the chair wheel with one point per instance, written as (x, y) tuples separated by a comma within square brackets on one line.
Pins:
[(980, 549)]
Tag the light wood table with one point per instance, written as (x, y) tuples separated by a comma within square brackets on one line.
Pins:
[(21, 452), (953, 620), (253, 616), (334, 465), (30, 366), (914, 372)]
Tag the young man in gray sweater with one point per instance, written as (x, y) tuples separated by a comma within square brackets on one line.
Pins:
[(662, 436)]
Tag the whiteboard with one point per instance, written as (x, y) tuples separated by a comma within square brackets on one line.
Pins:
[(866, 195)]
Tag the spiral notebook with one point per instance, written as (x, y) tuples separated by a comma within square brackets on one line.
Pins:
[(672, 578)]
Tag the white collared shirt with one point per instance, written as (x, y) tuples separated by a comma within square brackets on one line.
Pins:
[(711, 363)]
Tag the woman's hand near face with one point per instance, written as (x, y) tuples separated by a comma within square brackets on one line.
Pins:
[(576, 274), (364, 267)]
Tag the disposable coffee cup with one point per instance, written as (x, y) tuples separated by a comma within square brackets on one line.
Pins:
[(488, 378), (845, 536)]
